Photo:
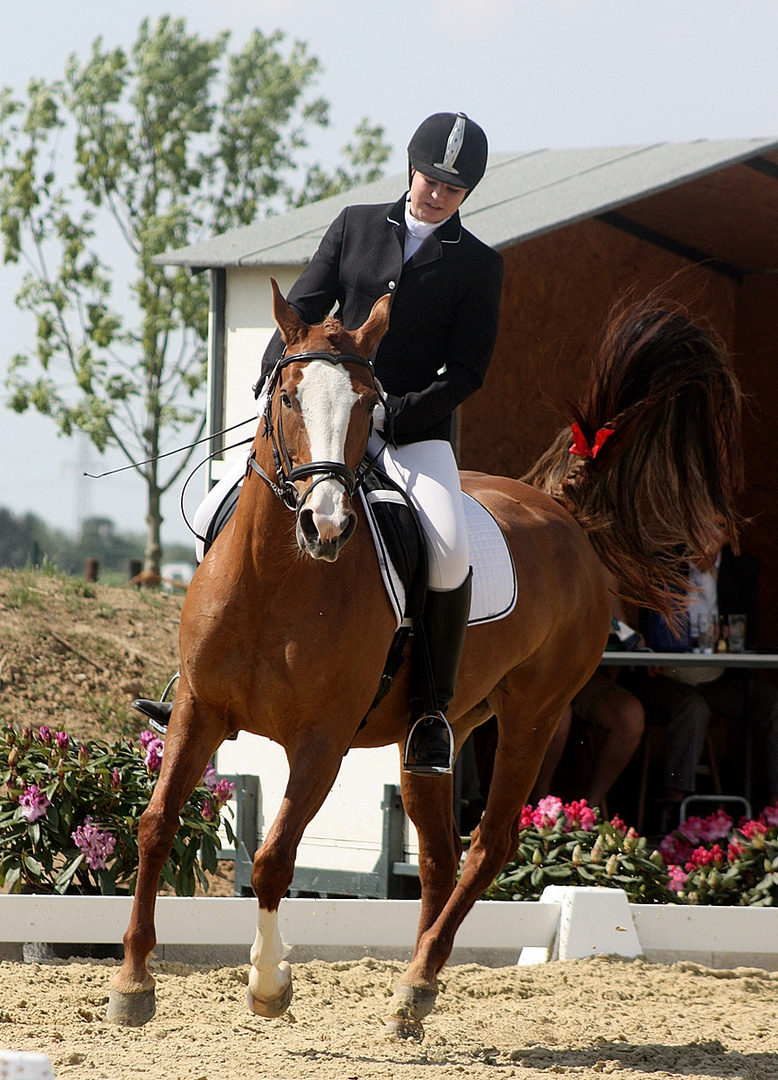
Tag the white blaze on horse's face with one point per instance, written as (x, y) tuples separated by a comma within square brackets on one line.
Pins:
[(326, 398)]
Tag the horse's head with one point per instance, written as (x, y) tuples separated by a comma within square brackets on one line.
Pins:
[(321, 398)]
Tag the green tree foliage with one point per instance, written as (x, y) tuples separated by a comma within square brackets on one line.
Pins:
[(26, 540), (23, 540), (135, 154)]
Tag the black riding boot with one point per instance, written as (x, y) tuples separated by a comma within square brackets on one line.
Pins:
[(158, 712), (429, 746)]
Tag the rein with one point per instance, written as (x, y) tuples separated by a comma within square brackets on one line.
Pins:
[(287, 473)]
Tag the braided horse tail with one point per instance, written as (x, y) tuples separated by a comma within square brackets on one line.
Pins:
[(659, 488)]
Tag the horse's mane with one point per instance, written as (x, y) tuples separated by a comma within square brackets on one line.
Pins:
[(661, 489), (332, 329)]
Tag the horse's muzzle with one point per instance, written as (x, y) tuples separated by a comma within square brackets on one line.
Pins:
[(312, 543)]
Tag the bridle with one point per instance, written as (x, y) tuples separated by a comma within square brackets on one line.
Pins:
[(286, 472)]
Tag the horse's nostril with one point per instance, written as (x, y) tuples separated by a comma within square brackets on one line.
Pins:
[(308, 526)]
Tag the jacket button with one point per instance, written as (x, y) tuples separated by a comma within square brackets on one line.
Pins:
[(392, 284)]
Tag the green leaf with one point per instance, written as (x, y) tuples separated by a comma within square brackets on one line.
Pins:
[(31, 865), (106, 882), (67, 873), (208, 854)]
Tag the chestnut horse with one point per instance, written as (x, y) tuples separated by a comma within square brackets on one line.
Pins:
[(286, 626)]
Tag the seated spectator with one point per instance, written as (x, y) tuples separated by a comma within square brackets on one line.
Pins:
[(621, 720), (614, 711), (684, 698)]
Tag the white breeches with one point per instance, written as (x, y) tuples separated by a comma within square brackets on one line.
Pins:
[(427, 471)]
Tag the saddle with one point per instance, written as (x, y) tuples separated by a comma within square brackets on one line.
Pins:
[(402, 556)]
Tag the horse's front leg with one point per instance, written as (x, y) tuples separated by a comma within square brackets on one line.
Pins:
[(313, 768), (188, 746), (428, 801)]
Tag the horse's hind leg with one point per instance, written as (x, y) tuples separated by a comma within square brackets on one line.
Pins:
[(519, 753), (188, 747), (312, 772)]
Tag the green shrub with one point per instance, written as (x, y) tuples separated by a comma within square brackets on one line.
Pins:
[(705, 861), (69, 815)]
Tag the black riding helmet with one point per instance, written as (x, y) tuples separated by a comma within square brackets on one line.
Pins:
[(449, 147)]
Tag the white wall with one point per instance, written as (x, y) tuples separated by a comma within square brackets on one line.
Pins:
[(347, 832), (249, 325)]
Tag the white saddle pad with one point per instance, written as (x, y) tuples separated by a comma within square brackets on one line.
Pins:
[(494, 575)]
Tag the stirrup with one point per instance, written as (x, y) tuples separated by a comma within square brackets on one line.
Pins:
[(429, 746)]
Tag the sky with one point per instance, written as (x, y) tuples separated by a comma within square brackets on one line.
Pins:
[(534, 73)]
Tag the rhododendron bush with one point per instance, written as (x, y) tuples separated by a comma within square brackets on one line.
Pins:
[(705, 861), (69, 814), (713, 861)]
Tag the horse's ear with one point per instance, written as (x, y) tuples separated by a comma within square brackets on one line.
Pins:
[(373, 329), (292, 327)]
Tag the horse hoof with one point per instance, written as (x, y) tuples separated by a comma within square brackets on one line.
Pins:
[(404, 1029), (131, 1010), (273, 1007), (412, 1002)]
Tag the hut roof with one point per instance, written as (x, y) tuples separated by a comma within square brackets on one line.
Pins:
[(710, 200)]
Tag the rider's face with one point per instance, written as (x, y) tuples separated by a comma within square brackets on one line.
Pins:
[(432, 201)]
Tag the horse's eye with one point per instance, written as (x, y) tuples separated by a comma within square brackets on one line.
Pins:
[(286, 401)]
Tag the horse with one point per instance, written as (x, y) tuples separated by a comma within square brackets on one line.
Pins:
[(286, 624)]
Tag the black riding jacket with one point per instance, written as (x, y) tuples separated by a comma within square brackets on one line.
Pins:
[(443, 317)]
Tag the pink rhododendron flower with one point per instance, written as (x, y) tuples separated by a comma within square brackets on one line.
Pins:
[(62, 740), (618, 824), (34, 803), (770, 814), (146, 737), (714, 827), (96, 844), (526, 817), (546, 812), (735, 849), (750, 829), (208, 811), (44, 735), (677, 880), (209, 777), (154, 750), (674, 850), (579, 815), (702, 856), (222, 793)]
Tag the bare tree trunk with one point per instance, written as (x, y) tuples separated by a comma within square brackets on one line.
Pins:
[(153, 552)]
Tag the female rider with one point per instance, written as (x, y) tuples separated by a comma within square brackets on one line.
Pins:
[(445, 290)]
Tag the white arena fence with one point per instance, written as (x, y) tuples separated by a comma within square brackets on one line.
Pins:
[(567, 922)]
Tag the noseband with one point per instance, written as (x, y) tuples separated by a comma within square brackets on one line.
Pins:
[(286, 472)]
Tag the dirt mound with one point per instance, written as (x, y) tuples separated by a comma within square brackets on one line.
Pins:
[(73, 655)]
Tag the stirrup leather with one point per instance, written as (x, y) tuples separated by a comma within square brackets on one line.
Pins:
[(429, 746)]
